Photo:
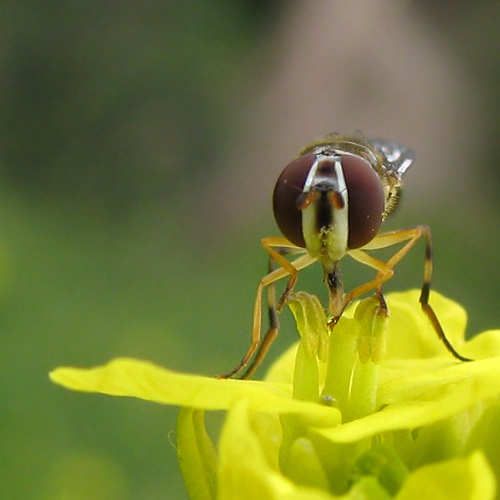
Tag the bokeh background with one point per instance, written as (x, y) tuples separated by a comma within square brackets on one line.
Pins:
[(139, 146)]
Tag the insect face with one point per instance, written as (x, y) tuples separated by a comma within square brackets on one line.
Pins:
[(329, 203)]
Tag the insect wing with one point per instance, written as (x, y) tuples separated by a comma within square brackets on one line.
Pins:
[(399, 158)]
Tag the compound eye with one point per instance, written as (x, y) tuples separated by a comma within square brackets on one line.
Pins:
[(366, 200), (286, 193)]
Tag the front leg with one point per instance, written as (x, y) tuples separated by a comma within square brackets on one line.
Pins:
[(259, 345)]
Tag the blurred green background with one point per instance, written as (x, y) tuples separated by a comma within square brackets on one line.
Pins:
[(139, 145)]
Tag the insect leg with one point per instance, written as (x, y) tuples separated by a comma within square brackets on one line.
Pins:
[(385, 272), (411, 236), (287, 268)]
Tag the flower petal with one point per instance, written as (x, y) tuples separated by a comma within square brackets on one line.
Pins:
[(439, 395), (486, 436), (457, 479), (281, 371), (140, 379), (303, 465), (197, 455), (245, 472), (484, 345)]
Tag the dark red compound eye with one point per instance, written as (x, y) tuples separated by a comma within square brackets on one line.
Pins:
[(365, 198), (286, 193)]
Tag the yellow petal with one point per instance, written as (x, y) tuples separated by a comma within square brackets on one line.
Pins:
[(417, 400), (458, 479), (144, 380), (197, 455), (484, 345), (485, 436), (304, 466), (245, 472), (281, 371), (431, 379)]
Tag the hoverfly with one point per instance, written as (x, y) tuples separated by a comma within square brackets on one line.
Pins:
[(330, 202)]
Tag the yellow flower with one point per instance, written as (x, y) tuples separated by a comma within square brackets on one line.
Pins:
[(378, 409)]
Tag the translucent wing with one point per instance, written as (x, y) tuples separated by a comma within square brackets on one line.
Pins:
[(399, 158)]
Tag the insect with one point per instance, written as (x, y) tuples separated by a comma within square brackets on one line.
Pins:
[(330, 202)]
